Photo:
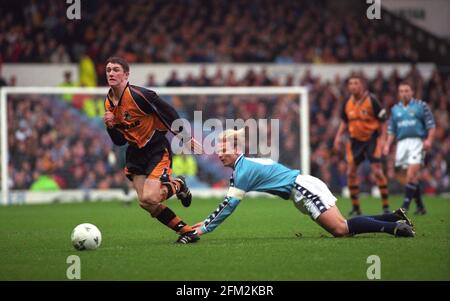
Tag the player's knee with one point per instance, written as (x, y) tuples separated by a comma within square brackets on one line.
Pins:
[(412, 179), (149, 201), (378, 173), (340, 231), (144, 206), (151, 208), (154, 210), (351, 174)]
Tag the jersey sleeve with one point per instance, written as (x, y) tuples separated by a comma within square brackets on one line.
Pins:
[(343, 114), (378, 110), (224, 210), (430, 123), (116, 136), (149, 102)]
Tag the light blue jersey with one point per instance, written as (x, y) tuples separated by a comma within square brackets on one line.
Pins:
[(252, 174), (410, 121), (263, 175)]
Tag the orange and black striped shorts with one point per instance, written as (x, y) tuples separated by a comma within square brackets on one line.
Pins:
[(358, 151)]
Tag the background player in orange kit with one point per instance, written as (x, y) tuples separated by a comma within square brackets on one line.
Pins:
[(364, 118), (139, 117)]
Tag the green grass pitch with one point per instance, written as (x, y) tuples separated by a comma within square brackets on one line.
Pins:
[(258, 242)]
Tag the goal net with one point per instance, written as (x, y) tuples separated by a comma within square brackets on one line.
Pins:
[(54, 147)]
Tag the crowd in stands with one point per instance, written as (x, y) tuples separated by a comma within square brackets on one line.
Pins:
[(53, 146), (48, 139), (326, 101), (60, 143), (180, 31)]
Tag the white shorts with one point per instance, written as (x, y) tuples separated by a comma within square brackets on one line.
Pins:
[(312, 196), (409, 151)]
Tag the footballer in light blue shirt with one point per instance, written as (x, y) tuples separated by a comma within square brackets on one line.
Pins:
[(309, 194), (412, 124)]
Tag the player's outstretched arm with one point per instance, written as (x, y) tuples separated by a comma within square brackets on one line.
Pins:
[(167, 114), (225, 209)]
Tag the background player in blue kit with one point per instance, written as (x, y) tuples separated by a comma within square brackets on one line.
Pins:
[(310, 195), (412, 124)]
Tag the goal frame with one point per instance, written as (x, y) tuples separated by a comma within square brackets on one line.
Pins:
[(301, 91)]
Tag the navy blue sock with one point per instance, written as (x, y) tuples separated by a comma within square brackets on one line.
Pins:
[(418, 197), (364, 224), (389, 217), (410, 192)]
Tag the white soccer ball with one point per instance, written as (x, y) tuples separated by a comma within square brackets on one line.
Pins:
[(86, 237)]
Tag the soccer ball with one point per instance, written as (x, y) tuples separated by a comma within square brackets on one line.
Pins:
[(86, 237)]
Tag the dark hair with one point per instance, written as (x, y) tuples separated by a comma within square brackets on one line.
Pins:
[(406, 83), (358, 77), (118, 60)]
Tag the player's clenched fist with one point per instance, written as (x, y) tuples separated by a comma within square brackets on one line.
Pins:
[(108, 118)]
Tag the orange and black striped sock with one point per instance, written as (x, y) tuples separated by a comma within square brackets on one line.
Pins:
[(171, 220), (354, 195), (172, 187), (382, 185)]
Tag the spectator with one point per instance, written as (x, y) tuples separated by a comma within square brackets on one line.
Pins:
[(173, 81), (184, 165), (151, 82), (44, 183), (3, 82), (12, 81), (88, 75), (60, 56), (187, 165), (68, 82)]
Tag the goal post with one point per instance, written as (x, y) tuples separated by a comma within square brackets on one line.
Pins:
[(303, 104)]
